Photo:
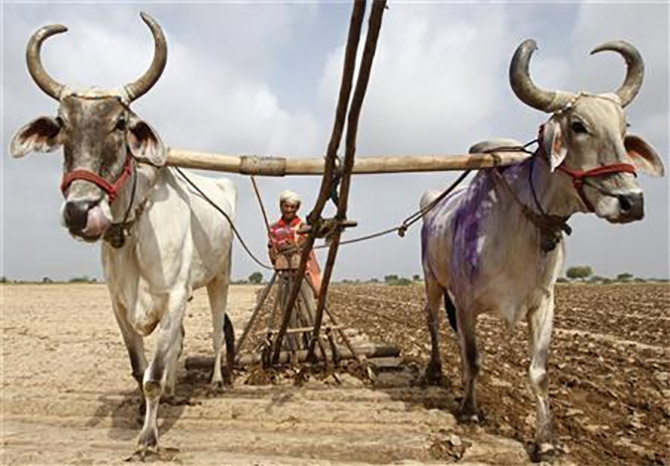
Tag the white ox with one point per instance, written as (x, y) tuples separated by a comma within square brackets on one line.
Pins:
[(162, 240), (495, 246)]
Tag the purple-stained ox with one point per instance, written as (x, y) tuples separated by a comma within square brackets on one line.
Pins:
[(496, 246)]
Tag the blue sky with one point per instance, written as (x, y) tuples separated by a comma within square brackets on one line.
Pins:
[(263, 79)]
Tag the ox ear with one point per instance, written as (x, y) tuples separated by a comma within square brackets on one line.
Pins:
[(553, 144), (643, 156), (40, 135), (144, 143)]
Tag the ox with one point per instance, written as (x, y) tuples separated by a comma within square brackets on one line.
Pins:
[(495, 246), (161, 240)]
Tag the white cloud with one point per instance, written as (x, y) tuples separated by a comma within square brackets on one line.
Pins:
[(204, 100), (430, 72), (439, 84)]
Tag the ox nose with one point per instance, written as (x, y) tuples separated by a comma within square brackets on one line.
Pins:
[(632, 205), (76, 214)]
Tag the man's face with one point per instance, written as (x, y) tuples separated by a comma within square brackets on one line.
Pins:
[(288, 210)]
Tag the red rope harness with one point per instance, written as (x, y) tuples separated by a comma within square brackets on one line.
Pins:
[(112, 190), (579, 176)]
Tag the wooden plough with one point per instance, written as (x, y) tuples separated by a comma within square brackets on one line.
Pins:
[(291, 298)]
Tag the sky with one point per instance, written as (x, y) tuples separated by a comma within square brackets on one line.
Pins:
[(263, 79)]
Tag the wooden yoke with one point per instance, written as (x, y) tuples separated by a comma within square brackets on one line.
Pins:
[(283, 166)]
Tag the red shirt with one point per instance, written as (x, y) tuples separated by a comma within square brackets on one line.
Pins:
[(284, 235)]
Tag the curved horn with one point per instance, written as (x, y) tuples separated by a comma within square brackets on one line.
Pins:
[(37, 71), (142, 85), (635, 72), (523, 86)]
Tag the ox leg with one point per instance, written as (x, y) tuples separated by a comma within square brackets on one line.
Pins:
[(173, 363), (470, 360), (217, 290), (168, 347), (135, 346), (540, 325), (434, 293)]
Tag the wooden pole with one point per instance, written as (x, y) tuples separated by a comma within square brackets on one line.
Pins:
[(363, 165), (257, 310), (314, 218), (369, 351), (374, 26)]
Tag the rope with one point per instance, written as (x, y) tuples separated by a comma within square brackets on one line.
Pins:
[(232, 225), (416, 216), (410, 220), (116, 234), (550, 227), (260, 202)]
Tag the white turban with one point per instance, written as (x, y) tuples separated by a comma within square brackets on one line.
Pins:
[(289, 196)]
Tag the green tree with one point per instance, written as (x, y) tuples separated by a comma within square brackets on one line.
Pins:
[(416, 278), (83, 279), (624, 277), (579, 271), (255, 277), (390, 278), (402, 281)]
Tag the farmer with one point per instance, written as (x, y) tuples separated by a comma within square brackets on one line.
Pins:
[(285, 241)]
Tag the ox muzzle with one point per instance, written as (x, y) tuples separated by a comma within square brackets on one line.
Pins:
[(627, 206), (89, 219)]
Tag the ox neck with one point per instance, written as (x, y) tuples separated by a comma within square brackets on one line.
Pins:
[(145, 177), (553, 193), (538, 196)]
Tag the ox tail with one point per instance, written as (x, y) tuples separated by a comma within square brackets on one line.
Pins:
[(229, 338), (451, 311)]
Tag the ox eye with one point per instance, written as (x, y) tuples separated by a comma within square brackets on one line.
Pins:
[(121, 124), (578, 127)]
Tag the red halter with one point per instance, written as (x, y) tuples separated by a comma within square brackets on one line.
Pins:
[(112, 190), (579, 176)]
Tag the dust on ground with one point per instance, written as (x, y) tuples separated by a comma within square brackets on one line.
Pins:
[(68, 395)]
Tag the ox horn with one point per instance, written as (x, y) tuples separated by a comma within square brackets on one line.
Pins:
[(37, 71), (523, 86), (142, 85), (635, 72)]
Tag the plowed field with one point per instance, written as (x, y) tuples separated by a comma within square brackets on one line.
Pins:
[(68, 396), (609, 365)]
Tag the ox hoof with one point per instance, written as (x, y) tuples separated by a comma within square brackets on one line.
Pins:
[(216, 387), (543, 452), (150, 456), (147, 444), (468, 416), (144, 455)]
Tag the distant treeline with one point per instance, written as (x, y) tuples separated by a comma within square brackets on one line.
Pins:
[(575, 274), (49, 280), (585, 274)]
